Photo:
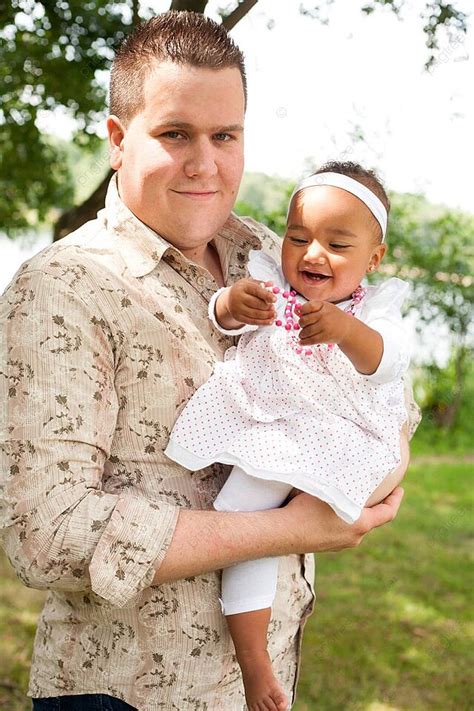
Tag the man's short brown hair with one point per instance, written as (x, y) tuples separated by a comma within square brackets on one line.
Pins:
[(186, 38)]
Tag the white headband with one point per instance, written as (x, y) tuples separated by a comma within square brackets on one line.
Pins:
[(337, 180)]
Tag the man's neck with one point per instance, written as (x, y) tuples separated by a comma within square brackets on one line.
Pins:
[(208, 258)]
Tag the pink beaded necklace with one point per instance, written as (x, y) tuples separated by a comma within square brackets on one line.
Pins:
[(292, 325)]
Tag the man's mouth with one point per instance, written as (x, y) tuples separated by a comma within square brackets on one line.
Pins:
[(197, 194)]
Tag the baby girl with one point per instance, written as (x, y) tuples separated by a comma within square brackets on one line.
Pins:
[(312, 396)]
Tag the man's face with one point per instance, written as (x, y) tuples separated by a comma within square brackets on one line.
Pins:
[(180, 159)]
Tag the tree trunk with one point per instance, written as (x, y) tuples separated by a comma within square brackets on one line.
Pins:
[(194, 5), (135, 15), (77, 216), (236, 15)]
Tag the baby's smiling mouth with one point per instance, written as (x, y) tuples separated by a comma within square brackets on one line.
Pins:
[(314, 277)]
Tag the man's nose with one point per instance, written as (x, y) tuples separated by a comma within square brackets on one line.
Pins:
[(201, 160)]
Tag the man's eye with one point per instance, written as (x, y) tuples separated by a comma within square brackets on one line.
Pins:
[(172, 134), (223, 137)]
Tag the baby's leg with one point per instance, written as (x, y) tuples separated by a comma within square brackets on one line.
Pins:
[(394, 478), (248, 590)]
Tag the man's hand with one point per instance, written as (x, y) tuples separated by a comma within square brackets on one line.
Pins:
[(246, 302), (323, 322), (316, 527)]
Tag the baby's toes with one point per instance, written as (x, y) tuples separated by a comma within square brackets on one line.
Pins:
[(280, 701), (267, 704)]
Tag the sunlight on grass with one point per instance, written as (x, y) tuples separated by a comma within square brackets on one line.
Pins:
[(405, 609)]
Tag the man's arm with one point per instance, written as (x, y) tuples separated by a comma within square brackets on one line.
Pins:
[(60, 529), (206, 540)]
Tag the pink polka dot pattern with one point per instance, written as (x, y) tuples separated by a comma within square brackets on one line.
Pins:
[(315, 423)]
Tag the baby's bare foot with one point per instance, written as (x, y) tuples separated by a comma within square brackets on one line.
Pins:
[(262, 689)]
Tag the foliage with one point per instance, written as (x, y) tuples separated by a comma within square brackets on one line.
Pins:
[(51, 57), (393, 618), (265, 199), (434, 249), (54, 59), (435, 392)]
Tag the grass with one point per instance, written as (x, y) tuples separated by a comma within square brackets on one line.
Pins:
[(392, 629), (393, 625)]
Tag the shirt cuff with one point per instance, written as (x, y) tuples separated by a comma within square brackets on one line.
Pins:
[(133, 544), (212, 317)]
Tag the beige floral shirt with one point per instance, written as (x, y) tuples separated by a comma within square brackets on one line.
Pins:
[(105, 337)]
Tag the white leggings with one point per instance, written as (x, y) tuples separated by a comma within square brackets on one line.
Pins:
[(250, 585)]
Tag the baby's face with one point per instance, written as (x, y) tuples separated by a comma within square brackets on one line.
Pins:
[(330, 243)]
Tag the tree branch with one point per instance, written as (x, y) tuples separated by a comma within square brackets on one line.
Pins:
[(193, 5), (135, 15), (236, 15)]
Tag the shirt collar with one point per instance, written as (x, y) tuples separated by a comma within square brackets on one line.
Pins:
[(142, 249)]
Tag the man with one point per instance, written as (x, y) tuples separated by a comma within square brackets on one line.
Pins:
[(107, 338)]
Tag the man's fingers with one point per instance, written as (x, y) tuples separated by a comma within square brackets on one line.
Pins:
[(380, 514)]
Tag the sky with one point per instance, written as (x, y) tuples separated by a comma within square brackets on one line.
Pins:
[(313, 87)]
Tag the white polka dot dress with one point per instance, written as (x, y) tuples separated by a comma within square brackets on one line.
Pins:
[(311, 421)]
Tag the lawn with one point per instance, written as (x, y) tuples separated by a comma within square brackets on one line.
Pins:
[(393, 626), (392, 630)]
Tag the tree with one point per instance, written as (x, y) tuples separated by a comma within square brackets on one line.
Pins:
[(53, 57), (433, 249)]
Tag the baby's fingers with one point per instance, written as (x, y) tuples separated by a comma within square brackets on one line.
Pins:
[(310, 307), (312, 334), (257, 318), (257, 289)]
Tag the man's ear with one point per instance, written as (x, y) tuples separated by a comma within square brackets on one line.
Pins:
[(376, 258), (116, 133)]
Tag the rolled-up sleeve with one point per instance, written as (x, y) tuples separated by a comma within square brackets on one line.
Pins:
[(59, 528), (396, 350)]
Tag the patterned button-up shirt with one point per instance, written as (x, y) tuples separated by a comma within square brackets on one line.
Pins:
[(105, 338)]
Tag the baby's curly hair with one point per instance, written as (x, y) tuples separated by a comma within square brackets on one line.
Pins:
[(369, 178)]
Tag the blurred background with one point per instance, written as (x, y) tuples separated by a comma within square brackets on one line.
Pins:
[(387, 83)]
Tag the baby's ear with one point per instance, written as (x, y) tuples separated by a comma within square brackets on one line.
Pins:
[(376, 257)]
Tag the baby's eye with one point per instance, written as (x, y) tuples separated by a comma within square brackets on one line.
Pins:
[(334, 245), (298, 240)]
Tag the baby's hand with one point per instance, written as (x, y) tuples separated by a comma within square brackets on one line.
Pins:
[(246, 302), (323, 322), (250, 302)]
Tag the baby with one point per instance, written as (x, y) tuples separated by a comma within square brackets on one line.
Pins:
[(312, 397)]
